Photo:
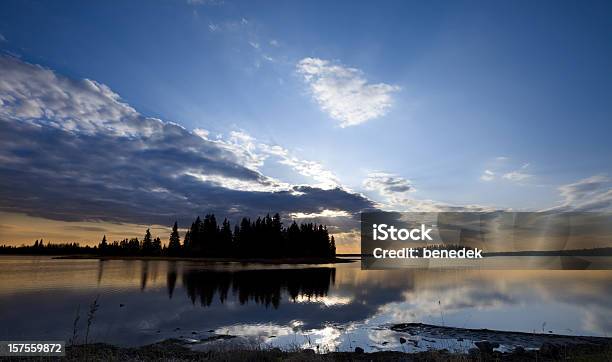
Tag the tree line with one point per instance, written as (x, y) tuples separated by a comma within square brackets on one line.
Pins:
[(42, 248), (264, 237)]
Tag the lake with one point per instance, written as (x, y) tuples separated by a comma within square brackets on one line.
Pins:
[(332, 307)]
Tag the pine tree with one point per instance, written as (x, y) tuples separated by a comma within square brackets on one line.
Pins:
[(187, 241), (156, 246), (225, 239), (174, 244), (332, 247), (103, 244), (147, 243)]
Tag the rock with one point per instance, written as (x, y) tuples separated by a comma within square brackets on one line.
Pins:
[(359, 350), (194, 332), (308, 351), (402, 340), (486, 346), (459, 339), (385, 343), (121, 305), (518, 350)]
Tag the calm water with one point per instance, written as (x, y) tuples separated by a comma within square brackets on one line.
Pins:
[(334, 306)]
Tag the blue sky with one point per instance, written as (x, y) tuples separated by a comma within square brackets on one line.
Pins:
[(495, 104)]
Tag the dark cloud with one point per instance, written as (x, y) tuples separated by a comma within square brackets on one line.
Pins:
[(70, 150)]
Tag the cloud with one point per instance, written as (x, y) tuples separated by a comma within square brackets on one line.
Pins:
[(397, 193), (326, 178), (73, 150), (487, 175), (516, 176), (252, 153), (590, 194), (388, 185), (2, 38), (324, 213), (344, 93)]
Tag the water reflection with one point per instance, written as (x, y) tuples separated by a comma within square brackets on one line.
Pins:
[(265, 286), (171, 277), (143, 302)]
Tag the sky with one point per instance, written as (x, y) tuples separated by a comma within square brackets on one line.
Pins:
[(119, 115)]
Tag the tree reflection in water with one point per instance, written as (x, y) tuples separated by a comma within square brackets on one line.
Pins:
[(265, 286)]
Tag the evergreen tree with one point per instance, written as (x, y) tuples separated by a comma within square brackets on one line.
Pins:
[(147, 243), (332, 247), (174, 244), (103, 245), (187, 241), (156, 248), (225, 239), (133, 246)]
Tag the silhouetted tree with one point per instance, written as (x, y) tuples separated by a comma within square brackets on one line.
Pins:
[(103, 245), (174, 244), (187, 241), (263, 238), (147, 243), (156, 248)]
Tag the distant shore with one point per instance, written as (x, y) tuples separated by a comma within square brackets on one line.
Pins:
[(213, 260)]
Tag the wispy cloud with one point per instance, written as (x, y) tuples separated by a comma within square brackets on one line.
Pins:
[(487, 175), (344, 93), (325, 213), (324, 177), (518, 175), (501, 172), (397, 193), (590, 194)]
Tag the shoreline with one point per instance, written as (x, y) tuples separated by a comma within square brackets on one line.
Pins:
[(214, 260), (551, 347)]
